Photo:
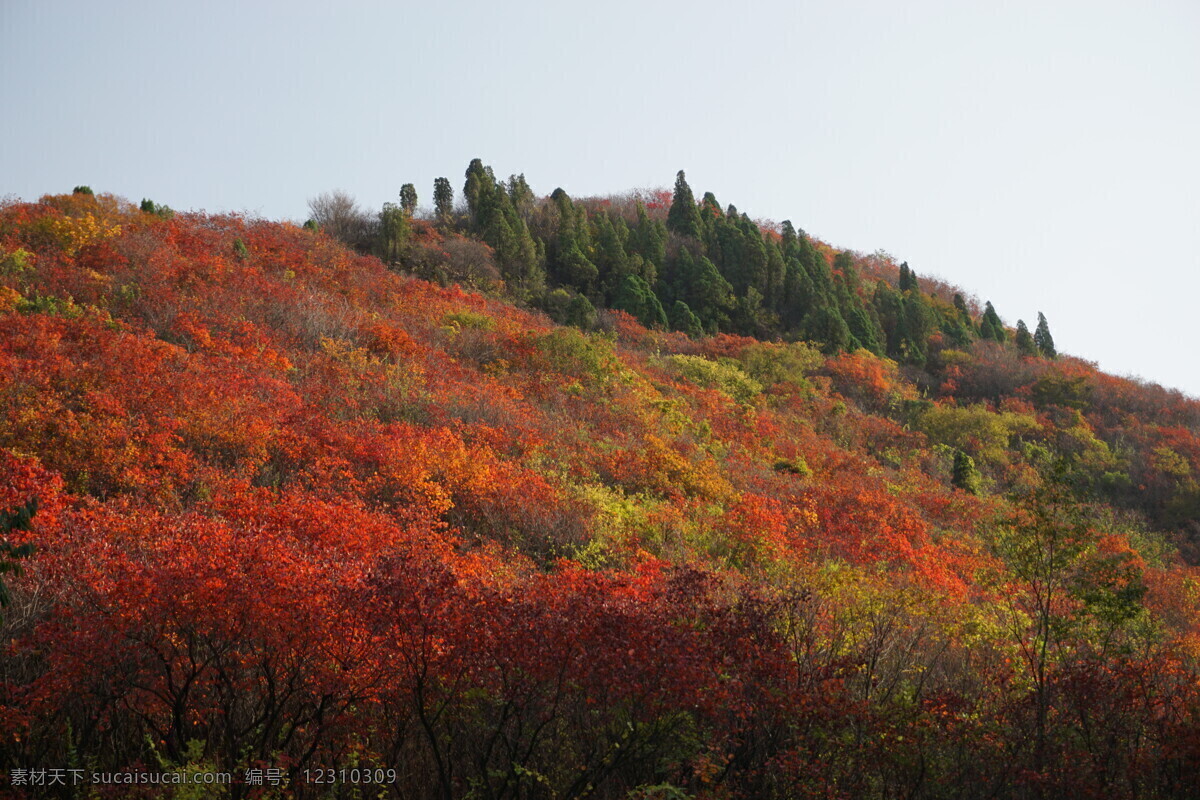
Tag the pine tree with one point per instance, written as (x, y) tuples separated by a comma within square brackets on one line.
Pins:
[(684, 217), (1042, 338), (1025, 343), (443, 200), (408, 198)]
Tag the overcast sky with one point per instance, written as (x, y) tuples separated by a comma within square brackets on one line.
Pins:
[(1044, 155)]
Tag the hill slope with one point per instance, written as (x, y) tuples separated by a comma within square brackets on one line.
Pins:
[(300, 510)]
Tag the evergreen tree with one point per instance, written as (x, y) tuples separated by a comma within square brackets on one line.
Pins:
[(581, 313), (776, 270), (847, 273), (480, 190), (908, 279), (443, 200), (990, 327), (966, 476), (522, 196), (683, 320), (408, 199), (1042, 338), (684, 217), (393, 232), (825, 326), (649, 240), (700, 284), (1024, 341), (961, 305), (611, 260), (569, 260), (889, 307), (919, 321), (636, 297)]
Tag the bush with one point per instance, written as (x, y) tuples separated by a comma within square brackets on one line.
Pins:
[(725, 376)]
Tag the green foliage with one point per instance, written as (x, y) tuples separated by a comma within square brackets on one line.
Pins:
[(242, 252), (394, 231), (725, 376), (150, 207), (571, 352), (636, 297), (84, 190), (408, 199), (684, 216), (495, 218), (14, 519), (1042, 338), (965, 476), (1024, 341), (682, 319), (1056, 389), (772, 364), (443, 200), (985, 434), (698, 283), (17, 262), (793, 466), (49, 304), (990, 327), (469, 319)]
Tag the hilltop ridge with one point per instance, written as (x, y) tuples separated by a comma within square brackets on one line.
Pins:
[(554, 498)]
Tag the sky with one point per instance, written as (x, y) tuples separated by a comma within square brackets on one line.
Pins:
[(1043, 155)]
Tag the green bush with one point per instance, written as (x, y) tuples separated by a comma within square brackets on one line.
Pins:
[(724, 376)]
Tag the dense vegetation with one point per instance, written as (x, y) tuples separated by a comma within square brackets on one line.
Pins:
[(553, 498)]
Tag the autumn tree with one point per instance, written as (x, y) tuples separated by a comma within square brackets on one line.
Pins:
[(340, 216)]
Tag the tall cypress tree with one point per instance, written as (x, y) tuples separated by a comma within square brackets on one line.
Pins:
[(408, 198), (1024, 341), (684, 216), (443, 200), (990, 327), (1042, 338), (649, 239)]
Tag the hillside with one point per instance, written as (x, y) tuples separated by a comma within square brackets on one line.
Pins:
[(553, 498)]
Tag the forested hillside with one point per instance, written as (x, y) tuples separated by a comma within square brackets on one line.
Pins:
[(542, 497)]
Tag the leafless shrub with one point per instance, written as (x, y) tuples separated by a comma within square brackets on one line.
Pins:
[(339, 215)]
